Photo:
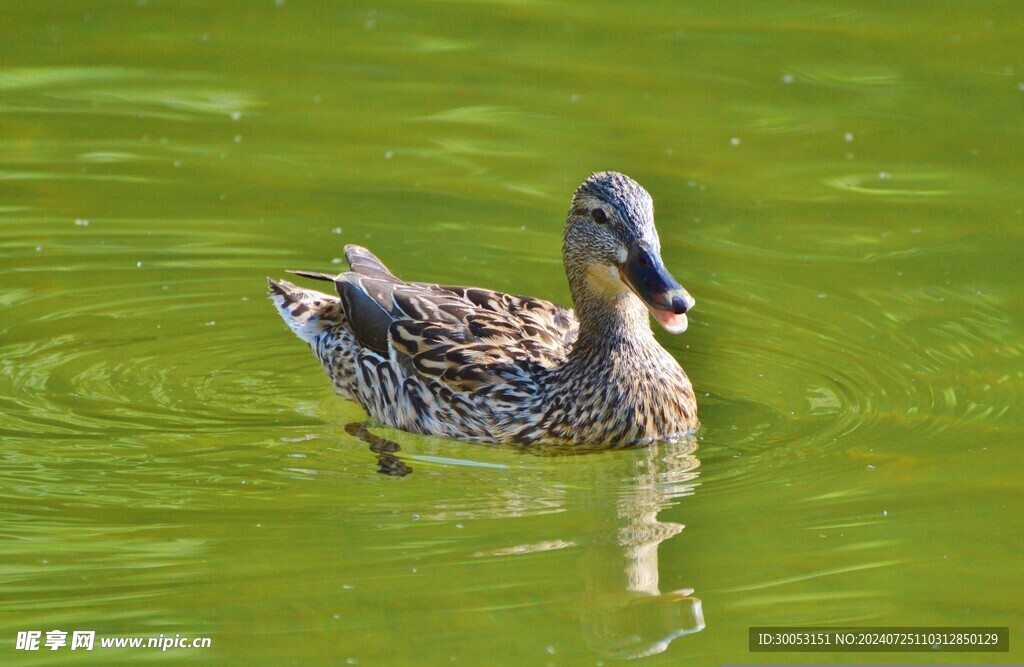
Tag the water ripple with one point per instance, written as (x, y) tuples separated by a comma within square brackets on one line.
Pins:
[(875, 361), (64, 377)]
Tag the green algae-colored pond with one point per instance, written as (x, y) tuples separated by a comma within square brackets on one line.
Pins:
[(838, 184)]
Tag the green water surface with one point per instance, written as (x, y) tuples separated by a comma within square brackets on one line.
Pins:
[(838, 184)]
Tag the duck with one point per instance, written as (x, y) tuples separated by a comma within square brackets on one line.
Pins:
[(474, 364)]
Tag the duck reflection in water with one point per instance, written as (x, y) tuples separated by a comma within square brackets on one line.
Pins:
[(624, 614), (388, 461), (622, 611)]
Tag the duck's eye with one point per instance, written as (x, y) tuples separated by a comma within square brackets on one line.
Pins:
[(599, 216)]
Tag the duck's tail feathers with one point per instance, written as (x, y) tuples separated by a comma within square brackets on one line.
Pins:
[(365, 263), (315, 275), (306, 312)]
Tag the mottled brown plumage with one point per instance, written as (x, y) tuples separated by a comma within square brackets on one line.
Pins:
[(474, 364)]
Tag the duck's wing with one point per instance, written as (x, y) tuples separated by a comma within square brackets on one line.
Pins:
[(490, 343), (473, 340)]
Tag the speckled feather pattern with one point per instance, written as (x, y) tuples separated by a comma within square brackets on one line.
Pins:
[(479, 365)]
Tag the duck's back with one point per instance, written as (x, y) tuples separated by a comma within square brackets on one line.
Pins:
[(452, 361)]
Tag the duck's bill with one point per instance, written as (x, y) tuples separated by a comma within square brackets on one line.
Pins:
[(645, 274), (671, 322)]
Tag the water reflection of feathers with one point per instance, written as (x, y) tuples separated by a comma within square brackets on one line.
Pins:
[(623, 612)]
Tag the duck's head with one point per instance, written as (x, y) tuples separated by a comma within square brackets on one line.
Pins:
[(611, 248)]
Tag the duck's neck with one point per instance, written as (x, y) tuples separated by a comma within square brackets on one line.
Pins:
[(610, 315)]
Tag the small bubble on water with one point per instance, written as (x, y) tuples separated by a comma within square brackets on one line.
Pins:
[(177, 163), (138, 264), (211, 323), (235, 115), (39, 248), (551, 650), (735, 141), (787, 78), (347, 587), (884, 175), (336, 230), (82, 222), (574, 98), (279, 3), (337, 616), (336, 260), (389, 155), (848, 137), (238, 138), (1020, 86)]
